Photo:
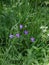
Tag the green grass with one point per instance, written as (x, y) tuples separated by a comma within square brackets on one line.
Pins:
[(21, 51)]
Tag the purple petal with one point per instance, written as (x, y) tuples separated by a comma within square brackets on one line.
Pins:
[(11, 36), (32, 39), (18, 35), (21, 26), (26, 32)]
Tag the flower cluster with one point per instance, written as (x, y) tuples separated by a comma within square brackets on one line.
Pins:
[(44, 33), (44, 28), (25, 32)]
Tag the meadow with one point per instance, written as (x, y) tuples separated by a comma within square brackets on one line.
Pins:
[(24, 32)]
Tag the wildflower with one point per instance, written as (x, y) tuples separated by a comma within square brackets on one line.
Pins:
[(11, 36), (21, 26), (42, 27), (17, 35), (47, 34), (32, 39), (46, 27), (44, 30), (26, 32)]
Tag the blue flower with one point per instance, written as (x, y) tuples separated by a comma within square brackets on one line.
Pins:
[(32, 39), (17, 35), (21, 26), (11, 36), (26, 32)]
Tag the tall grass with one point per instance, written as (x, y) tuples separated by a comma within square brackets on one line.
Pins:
[(22, 51)]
